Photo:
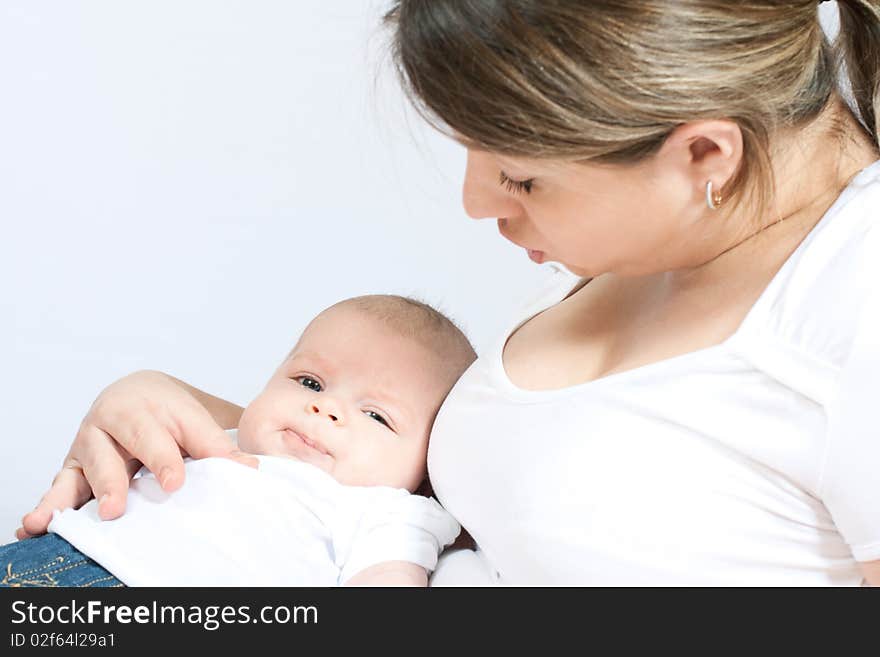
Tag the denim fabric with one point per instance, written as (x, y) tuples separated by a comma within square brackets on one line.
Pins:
[(49, 560)]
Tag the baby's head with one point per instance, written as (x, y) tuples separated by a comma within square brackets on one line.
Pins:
[(358, 394)]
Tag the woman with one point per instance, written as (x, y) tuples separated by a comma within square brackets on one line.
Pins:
[(691, 411)]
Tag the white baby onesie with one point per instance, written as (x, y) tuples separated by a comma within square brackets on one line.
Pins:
[(287, 523)]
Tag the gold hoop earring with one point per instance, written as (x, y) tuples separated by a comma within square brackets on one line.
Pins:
[(712, 200)]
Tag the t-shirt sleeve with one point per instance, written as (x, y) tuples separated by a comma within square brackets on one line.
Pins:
[(398, 526), (850, 484)]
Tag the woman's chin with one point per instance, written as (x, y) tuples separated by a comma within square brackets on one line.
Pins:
[(578, 271)]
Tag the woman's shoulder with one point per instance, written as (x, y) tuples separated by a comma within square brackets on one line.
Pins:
[(815, 302)]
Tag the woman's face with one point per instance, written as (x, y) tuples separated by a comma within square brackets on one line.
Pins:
[(630, 220)]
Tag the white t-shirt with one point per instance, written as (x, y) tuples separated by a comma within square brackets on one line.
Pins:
[(752, 462), (287, 523)]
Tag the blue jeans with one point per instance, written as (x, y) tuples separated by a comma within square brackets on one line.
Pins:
[(49, 560)]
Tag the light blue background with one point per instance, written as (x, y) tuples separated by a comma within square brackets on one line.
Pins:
[(184, 184)]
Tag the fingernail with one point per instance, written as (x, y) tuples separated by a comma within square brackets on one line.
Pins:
[(248, 459), (164, 476), (102, 506)]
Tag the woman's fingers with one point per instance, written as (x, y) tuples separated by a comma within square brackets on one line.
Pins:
[(200, 436), (69, 489), (145, 439), (160, 438), (106, 467), (144, 418), (245, 459)]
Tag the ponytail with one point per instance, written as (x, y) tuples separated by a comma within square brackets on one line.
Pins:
[(858, 47)]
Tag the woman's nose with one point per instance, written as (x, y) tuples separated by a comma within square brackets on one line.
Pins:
[(482, 195), (327, 407)]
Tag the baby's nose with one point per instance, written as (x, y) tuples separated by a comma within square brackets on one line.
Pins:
[(328, 408)]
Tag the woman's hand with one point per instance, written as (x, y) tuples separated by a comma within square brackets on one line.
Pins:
[(146, 418)]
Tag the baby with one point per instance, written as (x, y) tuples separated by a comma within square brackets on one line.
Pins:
[(341, 430)]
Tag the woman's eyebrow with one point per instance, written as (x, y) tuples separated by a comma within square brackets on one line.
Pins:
[(527, 167)]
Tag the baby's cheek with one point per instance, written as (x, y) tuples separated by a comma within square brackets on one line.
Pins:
[(249, 428), (259, 438), (246, 443)]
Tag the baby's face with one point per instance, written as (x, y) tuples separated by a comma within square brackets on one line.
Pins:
[(355, 399)]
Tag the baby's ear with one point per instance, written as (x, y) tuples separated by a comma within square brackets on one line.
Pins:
[(425, 489)]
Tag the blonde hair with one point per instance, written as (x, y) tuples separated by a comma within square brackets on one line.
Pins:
[(607, 82)]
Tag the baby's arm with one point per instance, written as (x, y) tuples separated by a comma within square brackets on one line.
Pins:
[(396, 540), (390, 573)]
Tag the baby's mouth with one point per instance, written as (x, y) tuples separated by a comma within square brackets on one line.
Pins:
[(296, 435)]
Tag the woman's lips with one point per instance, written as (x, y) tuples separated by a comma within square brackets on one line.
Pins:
[(308, 442), (536, 256)]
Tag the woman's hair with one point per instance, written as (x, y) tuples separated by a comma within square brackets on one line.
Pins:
[(859, 48), (608, 81)]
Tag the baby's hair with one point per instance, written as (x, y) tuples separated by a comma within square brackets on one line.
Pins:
[(417, 320)]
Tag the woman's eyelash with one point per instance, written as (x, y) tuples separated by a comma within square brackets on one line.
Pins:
[(515, 186)]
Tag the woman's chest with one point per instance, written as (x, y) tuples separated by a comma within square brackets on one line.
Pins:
[(670, 465), (612, 326)]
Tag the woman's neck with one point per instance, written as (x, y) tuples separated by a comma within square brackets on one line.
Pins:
[(811, 166)]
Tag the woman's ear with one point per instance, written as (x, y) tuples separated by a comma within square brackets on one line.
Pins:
[(704, 150)]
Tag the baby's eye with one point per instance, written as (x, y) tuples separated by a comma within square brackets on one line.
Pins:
[(309, 382), (377, 417)]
